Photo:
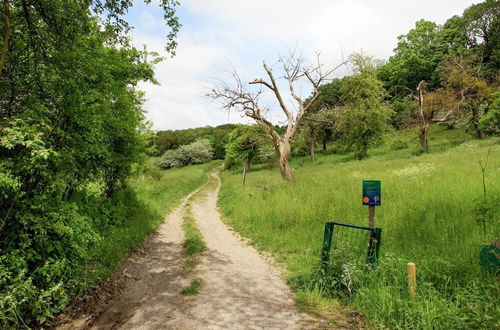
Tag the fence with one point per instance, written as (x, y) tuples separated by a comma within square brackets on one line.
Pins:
[(351, 243)]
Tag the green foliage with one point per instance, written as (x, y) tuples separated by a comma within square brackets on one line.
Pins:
[(218, 137), (331, 95), (365, 116), (198, 152), (300, 146), (398, 145), (490, 122), (71, 128), (404, 112), (415, 58), (44, 274), (481, 24), (426, 215), (245, 145), (169, 160)]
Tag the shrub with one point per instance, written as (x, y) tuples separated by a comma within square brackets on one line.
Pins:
[(169, 159), (490, 122), (300, 147), (398, 145), (198, 152)]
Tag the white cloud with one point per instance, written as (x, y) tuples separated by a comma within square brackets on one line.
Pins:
[(179, 102), (218, 32)]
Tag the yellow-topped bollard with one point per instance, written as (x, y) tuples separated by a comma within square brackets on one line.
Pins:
[(411, 270)]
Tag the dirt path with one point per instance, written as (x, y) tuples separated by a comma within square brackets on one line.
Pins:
[(240, 289)]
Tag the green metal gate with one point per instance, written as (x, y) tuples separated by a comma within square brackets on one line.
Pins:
[(351, 242)]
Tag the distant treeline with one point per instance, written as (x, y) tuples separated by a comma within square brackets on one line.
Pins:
[(172, 139)]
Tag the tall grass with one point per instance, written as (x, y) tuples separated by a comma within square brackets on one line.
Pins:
[(427, 216)]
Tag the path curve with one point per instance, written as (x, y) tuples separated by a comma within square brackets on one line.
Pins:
[(241, 290)]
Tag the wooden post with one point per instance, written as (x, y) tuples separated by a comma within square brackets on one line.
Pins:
[(371, 216), (411, 270), (244, 172)]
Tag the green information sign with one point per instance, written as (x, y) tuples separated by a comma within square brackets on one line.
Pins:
[(372, 192)]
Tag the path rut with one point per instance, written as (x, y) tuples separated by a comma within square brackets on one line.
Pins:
[(241, 290)]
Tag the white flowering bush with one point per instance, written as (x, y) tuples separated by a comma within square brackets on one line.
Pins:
[(198, 152)]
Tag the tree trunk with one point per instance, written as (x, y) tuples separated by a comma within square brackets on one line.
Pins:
[(475, 123), (324, 144), (245, 166), (312, 146), (423, 137), (284, 154), (6, 33)]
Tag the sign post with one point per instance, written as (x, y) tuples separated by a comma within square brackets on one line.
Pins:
[(371, 197)]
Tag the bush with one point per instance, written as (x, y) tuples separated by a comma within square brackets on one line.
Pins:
[(198, 152), (490, 122), (300, 147), (169, 160), (398, 145)]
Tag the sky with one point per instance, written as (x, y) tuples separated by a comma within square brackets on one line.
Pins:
[(218, 35)]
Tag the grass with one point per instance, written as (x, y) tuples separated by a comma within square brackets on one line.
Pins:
[(193, 241), (428, 217), (193, 288)]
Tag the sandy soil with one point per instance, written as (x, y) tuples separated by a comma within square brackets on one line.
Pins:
[(241, 290)]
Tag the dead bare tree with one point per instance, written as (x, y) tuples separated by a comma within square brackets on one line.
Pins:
[(240, 98)]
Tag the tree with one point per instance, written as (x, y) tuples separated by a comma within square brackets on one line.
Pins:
[(415, 58), (319, 123), (241, 98), (70, 118), (435, 107), (198, 152), (462, 74), (364, 118), (244, 145), (490, 122), (481, 23)]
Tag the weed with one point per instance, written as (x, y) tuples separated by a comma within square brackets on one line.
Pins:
[(193, 288), (193, 241), (190, 264)]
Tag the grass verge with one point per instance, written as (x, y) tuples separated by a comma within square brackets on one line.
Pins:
[(193, 241)]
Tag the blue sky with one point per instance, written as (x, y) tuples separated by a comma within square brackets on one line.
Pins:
[(218, 34)]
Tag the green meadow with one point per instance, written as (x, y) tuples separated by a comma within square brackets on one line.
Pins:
[(431, 204)]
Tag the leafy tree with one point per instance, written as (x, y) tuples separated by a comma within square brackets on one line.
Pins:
[(244, 145), (436, 107), (70, 118), (198, 152), (482, 27), (319, 124), (415, 58), (218, 136), (490, 122), (462, 74), (365, 117)]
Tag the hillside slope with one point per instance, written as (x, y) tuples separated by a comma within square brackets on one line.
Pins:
[(429, 216)]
